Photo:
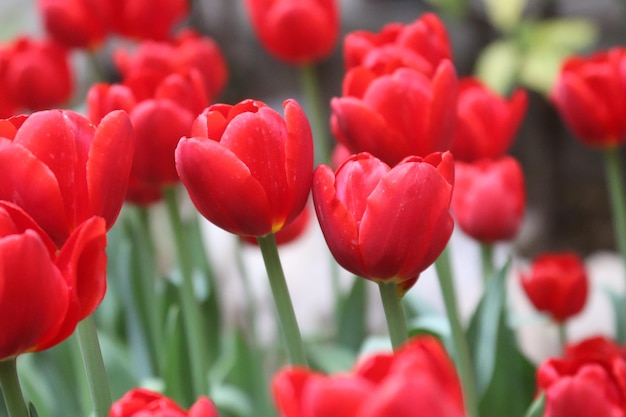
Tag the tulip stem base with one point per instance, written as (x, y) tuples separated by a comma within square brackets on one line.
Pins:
[(192, 319), (461, 348), (616, 193), (486, 254), (97, 380), (562, 337), (10, 383), (282, 300), (392, 304), (311, 89)]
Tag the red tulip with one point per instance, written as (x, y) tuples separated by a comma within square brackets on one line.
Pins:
[(386, 224), (590, 94), (141, 402), (421, 45), (76, 23), (290, 232), (489, 198), (61, 169), (246, 169), (487, 122), (589, 381), (417, 380), (36, 74), (59, 290), (148, 19), (296, 31), (396, 115), (557, 284)]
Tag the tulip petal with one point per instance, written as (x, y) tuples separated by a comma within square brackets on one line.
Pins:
[(337, 396)]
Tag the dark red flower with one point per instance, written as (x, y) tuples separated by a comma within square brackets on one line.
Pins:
[(297, 32), (45, 294), (61, 169), (386, 224), (378, 386), (487, 123), (489, 198), (247, 169), (590, 94), (557, 284), (420, 45), (589, 381), (141, 402), (396, 115)]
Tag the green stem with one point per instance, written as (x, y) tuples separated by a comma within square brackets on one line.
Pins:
[(94, 366), (311, 89), (466, 373), (616, 192), (282, 300), (393, 313), (248, 295), (486, 256), (192, 318), (10, 383), (562, 336)]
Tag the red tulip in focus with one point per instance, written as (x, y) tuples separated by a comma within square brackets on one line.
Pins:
[(59, 289), (588, 382), (290, 232), (590, 94), (418, 380), (76, 23), (420, 45), (396, 115), (148, 19), (557, 284), (386, 224), (61, 169), (487, 122), (35, 74), (296, 31), (247, 170), (141, 402), (489, 198)]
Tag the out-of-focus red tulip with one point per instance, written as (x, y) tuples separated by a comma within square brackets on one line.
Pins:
[(148, 19), (557, 284), (247, 169), (36, 73), (420, 45), (587, 382), (296, 31), (590, 94), (386, 224), (140, 402), (61, 169), (396, 115), (418, 380), (76, 23), (489, 198), (59, 290), (144, 70), (487, 123)]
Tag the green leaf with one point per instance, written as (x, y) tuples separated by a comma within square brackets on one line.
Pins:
[(504, 15), (351, 325), (498, 64), (232, 402), (618, 302), (176, 373), (330, 359), (536, 409), (432, 324)]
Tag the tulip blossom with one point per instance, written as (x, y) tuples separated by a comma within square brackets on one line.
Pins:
[(36, 74), (489, 198), (396, 115), (141, 402), (61, 169), (296, 31), (247, 170), (386, 224), (417, 380), (60, 288), (487, 122), (421, 45), (148, 19), (590, 94), (587, 382), (557, 284), (76, 23)]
